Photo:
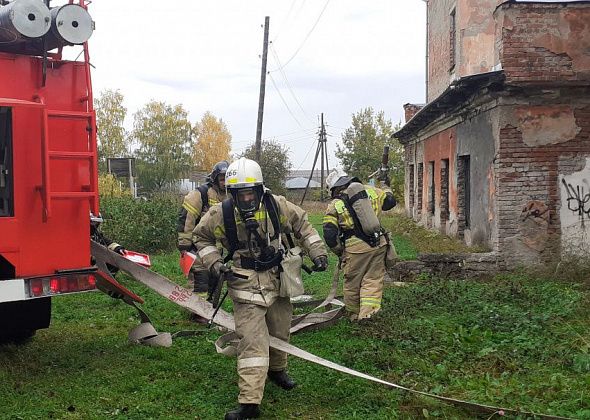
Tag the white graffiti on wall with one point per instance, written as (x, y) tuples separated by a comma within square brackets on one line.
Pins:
[(575, 211)]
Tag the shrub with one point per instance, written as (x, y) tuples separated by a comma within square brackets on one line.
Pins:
[(110, 186), (141, 225)]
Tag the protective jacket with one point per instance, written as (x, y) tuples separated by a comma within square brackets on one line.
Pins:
[(250, 286), (193, 208)]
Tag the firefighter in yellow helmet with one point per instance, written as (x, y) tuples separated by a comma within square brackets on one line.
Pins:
[(255, 227), (195, 204), (353, 231)]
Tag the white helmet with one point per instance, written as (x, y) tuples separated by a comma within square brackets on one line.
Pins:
[(243, 173), (244, 182), (339, 178)]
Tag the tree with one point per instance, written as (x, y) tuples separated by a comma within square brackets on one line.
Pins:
[(275, 163), (363, 144), (112, 136), (213, 142), (163, 133)]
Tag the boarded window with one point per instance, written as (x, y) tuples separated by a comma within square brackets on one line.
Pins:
[(464, 191), (444, 191), (452, 40), (6, 177), (411, 185), (431, 188), (420, 192)]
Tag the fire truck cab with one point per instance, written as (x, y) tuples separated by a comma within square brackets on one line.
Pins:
[(48, 169)]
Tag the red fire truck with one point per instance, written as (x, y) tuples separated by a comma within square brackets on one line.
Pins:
[(48, 162)]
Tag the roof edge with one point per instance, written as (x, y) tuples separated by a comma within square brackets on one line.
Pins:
[(434, 108)]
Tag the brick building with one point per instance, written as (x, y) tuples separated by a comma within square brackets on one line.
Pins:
[(500, 153)]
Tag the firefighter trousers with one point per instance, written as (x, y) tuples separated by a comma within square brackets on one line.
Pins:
[(254, 326), (364, 274)]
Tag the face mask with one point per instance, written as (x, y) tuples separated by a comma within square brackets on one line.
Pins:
[(247, 200)]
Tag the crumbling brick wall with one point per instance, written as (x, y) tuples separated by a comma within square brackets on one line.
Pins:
[(529, 167), (439, 25), (410, 110), (544, 42)]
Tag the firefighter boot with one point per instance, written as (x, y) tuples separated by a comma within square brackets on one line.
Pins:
[(280, 378), (244, 411)]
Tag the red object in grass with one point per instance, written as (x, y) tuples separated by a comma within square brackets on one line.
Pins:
[(186, 261), (138, 258)]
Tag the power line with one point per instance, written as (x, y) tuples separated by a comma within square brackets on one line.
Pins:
[(297, 140), (287, 83), (307, 155), (290, 141), (335, 126), (291, 135), (296, 132), (306, 37), (285, 20), (283, 99)]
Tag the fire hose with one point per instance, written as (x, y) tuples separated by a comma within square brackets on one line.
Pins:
[(186, 299)]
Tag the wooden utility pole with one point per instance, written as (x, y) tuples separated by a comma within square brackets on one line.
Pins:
[(324, 153), (322, 150), (262, 90)]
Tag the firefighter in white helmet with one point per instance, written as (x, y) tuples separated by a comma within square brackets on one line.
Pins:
[(353, 231), (195, 204), (256, 227)]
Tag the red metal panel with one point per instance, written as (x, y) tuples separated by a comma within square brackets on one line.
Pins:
[(34, 244)]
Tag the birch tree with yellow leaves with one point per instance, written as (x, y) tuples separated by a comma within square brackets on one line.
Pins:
[(213, 142)]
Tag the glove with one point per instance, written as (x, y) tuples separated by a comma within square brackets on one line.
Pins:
[(218, 268), (212, 285), (386, 181), (115, 247), (184, 247), (320, 263)]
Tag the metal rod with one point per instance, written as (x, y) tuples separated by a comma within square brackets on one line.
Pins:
[(210, 322)]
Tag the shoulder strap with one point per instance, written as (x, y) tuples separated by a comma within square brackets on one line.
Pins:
[(204, 190), (231, 229), (358, 229), (273, 212)]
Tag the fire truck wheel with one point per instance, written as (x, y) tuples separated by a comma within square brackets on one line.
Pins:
[(17, 337), (20, 320)]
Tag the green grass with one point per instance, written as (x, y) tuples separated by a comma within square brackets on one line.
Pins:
[(410, 239), (514, 341), (416, 239)]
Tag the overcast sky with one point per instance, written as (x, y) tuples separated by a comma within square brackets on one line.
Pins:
[(337, 57)]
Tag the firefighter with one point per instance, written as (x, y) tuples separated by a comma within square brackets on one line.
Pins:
[(195, 204), (353, 232), (257, 225)]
